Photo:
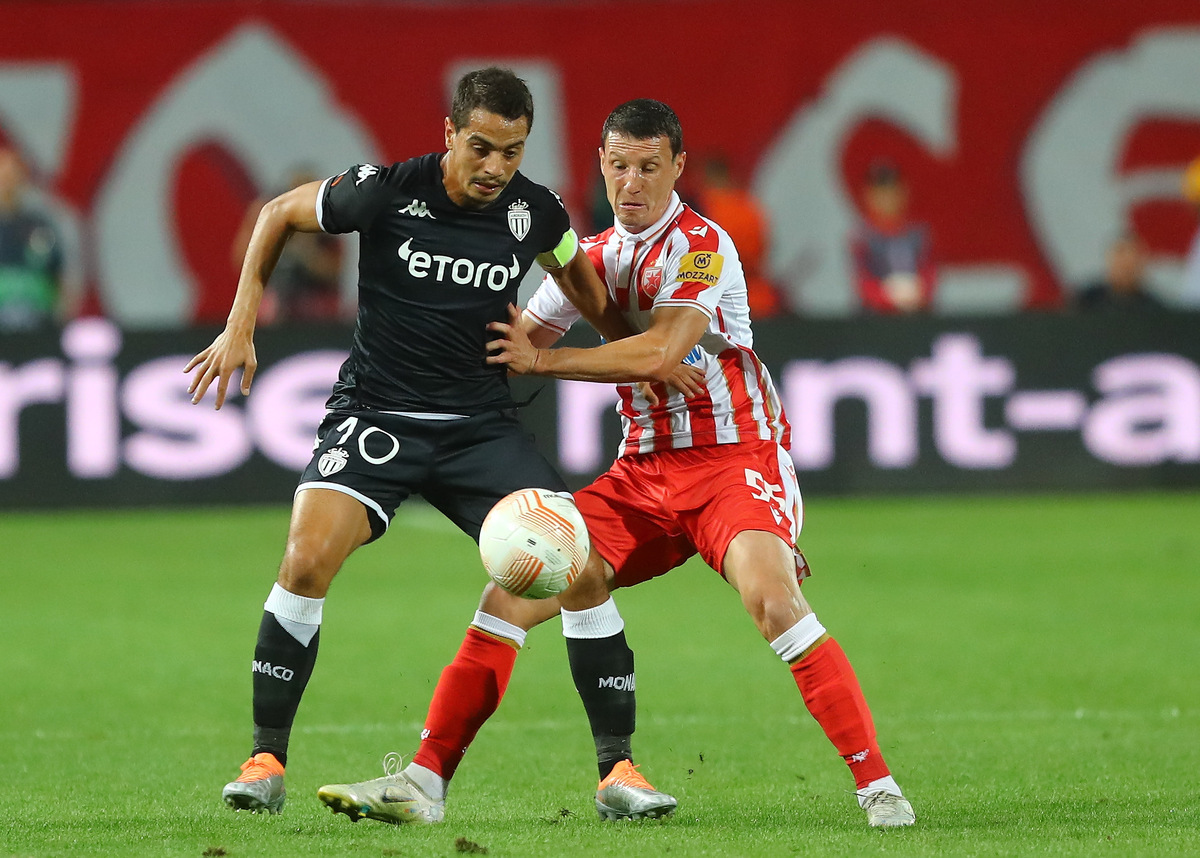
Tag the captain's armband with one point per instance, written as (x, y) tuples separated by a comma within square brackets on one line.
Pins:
[(554, 259)]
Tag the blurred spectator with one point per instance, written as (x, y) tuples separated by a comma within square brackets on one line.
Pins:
[(1123, 286), (305, 286), (736, 210), (1190, 292), (31, 258), (600, 211), (892, 258)]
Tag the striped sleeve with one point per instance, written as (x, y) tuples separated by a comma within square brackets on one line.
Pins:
[(701, 266), (550, 308)]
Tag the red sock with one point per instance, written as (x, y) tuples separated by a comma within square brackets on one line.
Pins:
[(832, 694), (467, 694)]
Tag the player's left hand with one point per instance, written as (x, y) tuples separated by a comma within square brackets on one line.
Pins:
[(514, 348)]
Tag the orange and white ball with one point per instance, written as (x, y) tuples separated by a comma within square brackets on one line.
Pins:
[(534, 543)]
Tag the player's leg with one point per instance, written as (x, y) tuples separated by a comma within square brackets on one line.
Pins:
[(747, 529), (478, 461), (628, 534), (761, 567), (471, 687), (467, 694), (326, 527)]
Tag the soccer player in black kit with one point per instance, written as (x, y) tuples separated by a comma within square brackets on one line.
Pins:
[(444, 242)]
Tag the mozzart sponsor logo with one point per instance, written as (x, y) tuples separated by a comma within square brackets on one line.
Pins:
[(1140, 409)]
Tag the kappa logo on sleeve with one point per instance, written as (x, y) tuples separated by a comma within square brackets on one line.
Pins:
[(365, 172), (702, 266)]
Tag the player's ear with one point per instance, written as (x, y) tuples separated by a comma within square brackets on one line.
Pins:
[(449, 133), (680, 160)]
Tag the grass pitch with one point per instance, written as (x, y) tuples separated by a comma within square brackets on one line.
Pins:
[(1032, 663)]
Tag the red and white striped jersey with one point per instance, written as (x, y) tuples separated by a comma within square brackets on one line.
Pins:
[(683, 260)]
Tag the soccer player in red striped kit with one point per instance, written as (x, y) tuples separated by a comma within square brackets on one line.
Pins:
[(704, 474)]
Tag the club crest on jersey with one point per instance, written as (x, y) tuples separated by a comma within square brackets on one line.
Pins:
[(519, 219), (332, 461), (652, 280)]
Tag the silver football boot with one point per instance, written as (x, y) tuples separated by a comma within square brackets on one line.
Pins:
[(886, 810), (625, 794), (393, 798), (260, 788)]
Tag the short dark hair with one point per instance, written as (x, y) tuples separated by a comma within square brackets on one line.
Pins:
[(642, 119), (495, 90)]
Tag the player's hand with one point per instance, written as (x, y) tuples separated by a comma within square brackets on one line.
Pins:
[(686, 379), (228, 353), (514, 348)]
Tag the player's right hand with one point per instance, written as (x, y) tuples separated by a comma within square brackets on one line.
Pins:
[(228, 353), (687, 379)]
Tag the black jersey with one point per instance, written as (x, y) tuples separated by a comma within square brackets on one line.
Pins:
[(431, 276)]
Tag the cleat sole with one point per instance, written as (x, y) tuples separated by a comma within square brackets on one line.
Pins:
[(339, 804), (242, 801), (245, 802), (609, 814)]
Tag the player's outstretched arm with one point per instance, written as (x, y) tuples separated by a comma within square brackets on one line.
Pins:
[(233, 349), (653, 355), (687, 379), (583, 287)]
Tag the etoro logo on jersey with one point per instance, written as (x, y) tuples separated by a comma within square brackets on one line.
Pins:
[(457, 269)]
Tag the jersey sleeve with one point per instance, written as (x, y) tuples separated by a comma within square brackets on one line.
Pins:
[(350, 201), (550, 308), (698, 271), (558, 240)]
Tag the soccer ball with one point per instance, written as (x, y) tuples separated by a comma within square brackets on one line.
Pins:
[(534, 543)]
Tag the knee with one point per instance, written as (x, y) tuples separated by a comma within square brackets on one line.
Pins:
[(308, 567), (591, 588), (773, 608)]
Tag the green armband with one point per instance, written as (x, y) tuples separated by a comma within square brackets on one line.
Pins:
[(561, 255)]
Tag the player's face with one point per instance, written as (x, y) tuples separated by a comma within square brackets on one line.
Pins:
[(482, 157), (639, 176)]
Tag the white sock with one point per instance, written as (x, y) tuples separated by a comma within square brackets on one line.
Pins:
[(887, 785), (299, 616), (499, 628), (602, 621), (798, 638), (431, 783)]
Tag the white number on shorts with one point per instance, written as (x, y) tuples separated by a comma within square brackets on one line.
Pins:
[(347, 427), (362, 445), (771, 494), (349, 424)]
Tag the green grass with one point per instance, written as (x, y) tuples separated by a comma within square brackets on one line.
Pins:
[(1032, 663)]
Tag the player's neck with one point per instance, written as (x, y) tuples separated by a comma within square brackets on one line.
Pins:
[(455, 193)]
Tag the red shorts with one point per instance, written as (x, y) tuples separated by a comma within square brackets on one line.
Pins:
[(650, 512)]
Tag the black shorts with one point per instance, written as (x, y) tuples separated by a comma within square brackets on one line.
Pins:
[(461, 466)]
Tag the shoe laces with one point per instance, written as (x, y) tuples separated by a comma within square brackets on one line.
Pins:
[(626, 773), (260, 767), (393, 764), (881, 797)]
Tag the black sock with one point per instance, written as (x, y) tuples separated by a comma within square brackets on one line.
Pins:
[(603, 672), (282, 667)]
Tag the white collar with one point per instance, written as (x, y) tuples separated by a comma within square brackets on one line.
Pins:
[(652, 232)]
